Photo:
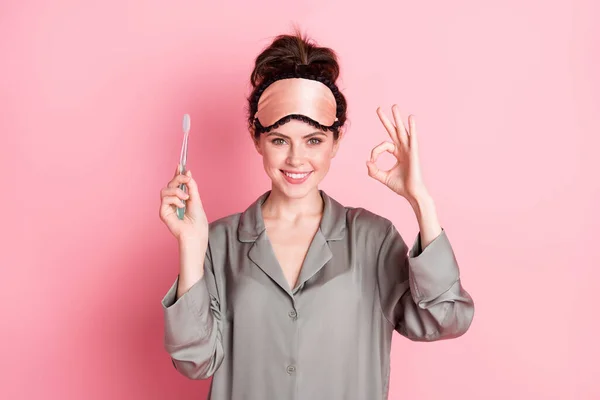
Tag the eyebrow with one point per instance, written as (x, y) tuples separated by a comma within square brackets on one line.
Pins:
[(303, 137)]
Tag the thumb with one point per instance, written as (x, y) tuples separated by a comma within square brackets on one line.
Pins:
[(193, 189)]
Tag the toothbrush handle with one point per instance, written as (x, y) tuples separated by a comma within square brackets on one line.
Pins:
[(183, 186)]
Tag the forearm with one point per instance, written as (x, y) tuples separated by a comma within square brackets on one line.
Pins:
[(426, 214), (192, 252)]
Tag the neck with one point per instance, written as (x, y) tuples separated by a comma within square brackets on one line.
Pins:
[(280, 206)]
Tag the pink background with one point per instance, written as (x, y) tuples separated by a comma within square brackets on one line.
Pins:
[(92, 94)]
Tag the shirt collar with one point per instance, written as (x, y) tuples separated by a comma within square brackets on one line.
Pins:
[(333, 221)]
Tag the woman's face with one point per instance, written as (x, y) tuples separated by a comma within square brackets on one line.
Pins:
[(296, 156)]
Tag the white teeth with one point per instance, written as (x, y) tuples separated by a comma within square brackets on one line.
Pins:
[(296, 176)]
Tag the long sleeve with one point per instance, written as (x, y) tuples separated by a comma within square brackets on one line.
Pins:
[(421, 293), (193, 326)]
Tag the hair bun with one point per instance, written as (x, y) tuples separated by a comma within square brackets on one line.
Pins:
[(292, 53)]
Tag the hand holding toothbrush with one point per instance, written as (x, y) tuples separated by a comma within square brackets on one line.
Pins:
[(181, 207), (194, 225)]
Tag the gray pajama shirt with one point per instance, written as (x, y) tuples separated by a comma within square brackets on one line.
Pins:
[(329, 337)]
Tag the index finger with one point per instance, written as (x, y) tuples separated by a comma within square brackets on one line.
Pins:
[(178, 178), (389, 127)]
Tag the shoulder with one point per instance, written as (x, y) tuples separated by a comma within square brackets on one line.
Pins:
[(363, 221), (224, 228), (362, 216), (371, 231), (230, 221), (355, 217)]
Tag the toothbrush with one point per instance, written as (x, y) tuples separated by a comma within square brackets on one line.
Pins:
[(183, 159)]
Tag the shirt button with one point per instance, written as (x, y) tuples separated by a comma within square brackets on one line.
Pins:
[(293, 314), (291, 369)]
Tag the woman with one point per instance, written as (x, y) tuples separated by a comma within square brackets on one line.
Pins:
[(297, 297)]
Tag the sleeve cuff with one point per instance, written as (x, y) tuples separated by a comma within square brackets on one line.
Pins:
[(432, 271), (186, 317)]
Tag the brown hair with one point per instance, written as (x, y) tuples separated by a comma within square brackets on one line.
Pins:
[(284, 56)]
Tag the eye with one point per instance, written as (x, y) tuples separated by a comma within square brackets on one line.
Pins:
[(314, 141), (278, 141)]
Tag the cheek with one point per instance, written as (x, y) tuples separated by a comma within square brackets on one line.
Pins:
[(322, 159), (272, 157)]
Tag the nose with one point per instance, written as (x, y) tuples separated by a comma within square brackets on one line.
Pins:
[(295, 157)]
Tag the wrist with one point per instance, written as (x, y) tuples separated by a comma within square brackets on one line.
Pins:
[(422, 203), (192, 254), (192, 241)]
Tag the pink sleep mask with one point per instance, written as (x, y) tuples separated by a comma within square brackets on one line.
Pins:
[(296, 96)]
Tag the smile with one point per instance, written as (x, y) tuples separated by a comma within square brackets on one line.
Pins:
[(296, 177)]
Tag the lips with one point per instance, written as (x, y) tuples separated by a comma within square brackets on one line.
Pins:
[(296, 177)]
